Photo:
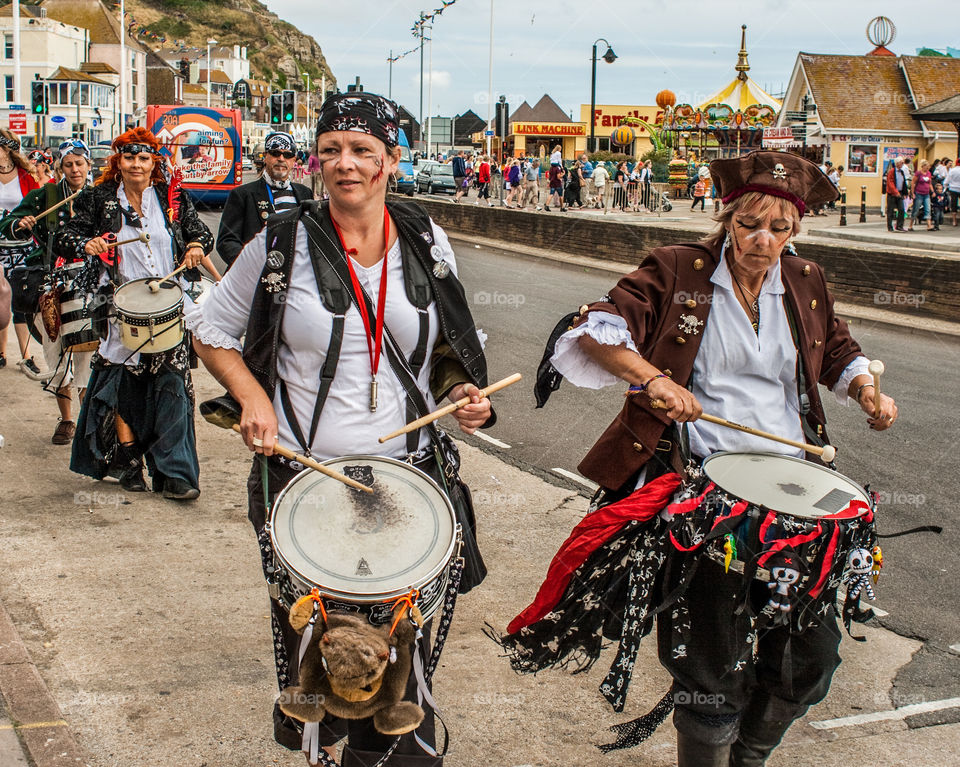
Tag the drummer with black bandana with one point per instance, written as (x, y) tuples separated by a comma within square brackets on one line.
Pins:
[(322, 378), (247, 207), (148, 397), (741, 327)]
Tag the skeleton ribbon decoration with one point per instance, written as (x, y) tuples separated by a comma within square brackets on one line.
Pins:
[(860, 563)]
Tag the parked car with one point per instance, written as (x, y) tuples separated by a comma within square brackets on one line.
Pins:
[(436, 178), (405, 179), (98, 159)]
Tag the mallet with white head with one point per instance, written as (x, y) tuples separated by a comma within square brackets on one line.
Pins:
[(875, 368)]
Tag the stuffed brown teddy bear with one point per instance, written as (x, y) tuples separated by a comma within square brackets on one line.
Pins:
[(353, 669)]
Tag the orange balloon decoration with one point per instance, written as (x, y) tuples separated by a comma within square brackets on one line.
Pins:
[(623, 136), (666, 99)]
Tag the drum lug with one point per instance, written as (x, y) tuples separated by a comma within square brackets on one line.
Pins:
[(273, 589)]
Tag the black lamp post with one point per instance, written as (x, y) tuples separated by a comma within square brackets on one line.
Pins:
[(609, 57)]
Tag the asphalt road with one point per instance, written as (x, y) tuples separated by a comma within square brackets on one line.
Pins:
[(517, 300)]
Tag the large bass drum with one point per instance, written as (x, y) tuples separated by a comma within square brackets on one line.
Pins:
[(76, 317), (364, 551)]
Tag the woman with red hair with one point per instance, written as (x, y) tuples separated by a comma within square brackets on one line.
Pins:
[(147, 397)]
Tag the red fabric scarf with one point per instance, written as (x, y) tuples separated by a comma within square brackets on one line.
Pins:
[(589, 535)]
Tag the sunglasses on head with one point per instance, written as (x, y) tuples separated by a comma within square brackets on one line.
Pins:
[(279, 153)]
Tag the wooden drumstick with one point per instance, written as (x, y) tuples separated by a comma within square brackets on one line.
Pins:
[(310, 463), (875, 368), (52, 208), (447, 409), (827, 452), (142, 237), (154, 285)]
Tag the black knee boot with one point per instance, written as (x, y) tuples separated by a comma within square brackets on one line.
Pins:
[(131, 465), (695, 753), (762, 727)]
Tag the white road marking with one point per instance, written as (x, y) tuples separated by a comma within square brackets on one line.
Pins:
[(491, 440), (576, 478), (881, 716), (955, 647)]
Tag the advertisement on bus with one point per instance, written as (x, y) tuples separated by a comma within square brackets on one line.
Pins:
[(204, 143)]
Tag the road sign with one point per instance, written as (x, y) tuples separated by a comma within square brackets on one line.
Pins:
[(488, 133), (58, 119), (17, 107), (18, 123)]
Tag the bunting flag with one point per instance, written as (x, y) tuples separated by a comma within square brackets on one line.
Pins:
[(418, 25)]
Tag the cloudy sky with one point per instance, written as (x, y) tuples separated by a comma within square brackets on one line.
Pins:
[(543, 46)]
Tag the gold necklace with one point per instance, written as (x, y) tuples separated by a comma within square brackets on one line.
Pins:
[(753, 306)]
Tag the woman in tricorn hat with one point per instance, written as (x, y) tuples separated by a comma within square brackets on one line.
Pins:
[(730, 326)]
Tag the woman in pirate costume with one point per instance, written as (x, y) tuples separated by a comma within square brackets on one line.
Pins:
[(137, 404), (309, 375), (740, 327), (70, 370)]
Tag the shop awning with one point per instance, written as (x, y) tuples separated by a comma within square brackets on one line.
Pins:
[(947, 111)]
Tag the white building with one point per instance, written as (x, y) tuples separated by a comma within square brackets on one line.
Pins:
[(80, 102), (231, 60)]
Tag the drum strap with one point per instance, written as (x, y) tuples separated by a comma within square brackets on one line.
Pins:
[(808, 431)]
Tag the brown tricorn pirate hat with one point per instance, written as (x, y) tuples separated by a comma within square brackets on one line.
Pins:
[(776, 173)]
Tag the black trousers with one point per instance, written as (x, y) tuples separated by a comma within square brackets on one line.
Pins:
[(365, 746), (895, 209), (715, 675)]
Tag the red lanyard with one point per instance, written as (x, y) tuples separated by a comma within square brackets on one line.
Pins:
[(375, 334)]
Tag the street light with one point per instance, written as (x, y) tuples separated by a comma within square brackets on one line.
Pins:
[(210, 42), (609, 57)]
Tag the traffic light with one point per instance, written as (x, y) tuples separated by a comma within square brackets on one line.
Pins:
[(502, 113), (38, 97), (289, 106), (276, 108)]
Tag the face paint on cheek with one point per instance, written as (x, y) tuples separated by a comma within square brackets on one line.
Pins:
[(757, 233), (379, 174)]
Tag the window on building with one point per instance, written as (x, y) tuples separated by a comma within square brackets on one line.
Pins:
[(8, 89), (603, 144), (862, 158), (85, 94), (8, 46)]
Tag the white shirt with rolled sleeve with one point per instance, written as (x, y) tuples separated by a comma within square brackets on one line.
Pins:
[(737, 375), (346, 426)]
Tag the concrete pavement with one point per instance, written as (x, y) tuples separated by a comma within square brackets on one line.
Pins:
[(147, 622)]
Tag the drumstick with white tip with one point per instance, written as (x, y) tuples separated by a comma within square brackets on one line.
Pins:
[(447, 409), (875, 368), (827, 452), (52, 208), (154, 285), (311, 464), (142, 237)]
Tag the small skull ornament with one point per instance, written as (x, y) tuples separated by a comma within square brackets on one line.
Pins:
[(860, 565), (779, 171)]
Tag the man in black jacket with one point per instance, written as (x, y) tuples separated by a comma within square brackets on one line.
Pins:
[(248, 207)]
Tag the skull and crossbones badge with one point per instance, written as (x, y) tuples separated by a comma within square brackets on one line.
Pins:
[(779, 171), (689, 324), (274, 282)]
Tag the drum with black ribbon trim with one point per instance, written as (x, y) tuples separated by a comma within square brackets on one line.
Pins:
[(362, 552), (15, 252), (76, 317)]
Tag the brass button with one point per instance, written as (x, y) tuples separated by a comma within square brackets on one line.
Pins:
[(817, 344), (813, 304), (690, 303), (680, 340), (583, 309), (638, 447), (667, 372), (698, 264), (806, 270)]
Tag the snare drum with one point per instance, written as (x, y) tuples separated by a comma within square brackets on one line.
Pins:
[(76, 320), (362, 552), (762, 504), (150, 322), (15, 252), (199, 291)]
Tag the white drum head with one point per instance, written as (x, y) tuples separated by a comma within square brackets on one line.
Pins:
[(359, 546), (135, 298), (783, 483), (199, 291)]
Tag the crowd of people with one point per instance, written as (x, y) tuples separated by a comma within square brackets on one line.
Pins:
[(923, 191)]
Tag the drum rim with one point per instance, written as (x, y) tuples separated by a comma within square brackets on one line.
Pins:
[(374, 597), (802, 461)]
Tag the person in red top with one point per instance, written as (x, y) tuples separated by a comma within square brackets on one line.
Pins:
[(43, 165), (17, 178), (896, 189), (483, 180)]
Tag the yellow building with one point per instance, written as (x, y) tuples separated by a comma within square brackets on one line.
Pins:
[(608, 116), (859, 112)]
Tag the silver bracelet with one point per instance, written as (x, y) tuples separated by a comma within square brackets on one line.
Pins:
[(860, 390)]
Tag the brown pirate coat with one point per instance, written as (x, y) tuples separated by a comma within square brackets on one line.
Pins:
[(675, 280)]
